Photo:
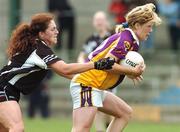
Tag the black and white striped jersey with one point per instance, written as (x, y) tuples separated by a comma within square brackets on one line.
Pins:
[(25, 71)]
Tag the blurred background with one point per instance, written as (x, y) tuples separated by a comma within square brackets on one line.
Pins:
[(156, 99)]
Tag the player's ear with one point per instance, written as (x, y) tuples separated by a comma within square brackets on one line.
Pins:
[(41, 35), (137, 26)]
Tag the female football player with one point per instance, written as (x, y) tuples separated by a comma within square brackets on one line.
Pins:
[(88, 88), (30, 58), (101, 32)]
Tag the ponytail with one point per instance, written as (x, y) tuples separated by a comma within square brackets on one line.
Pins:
[(20, 40), (23, 37), (121, 27)]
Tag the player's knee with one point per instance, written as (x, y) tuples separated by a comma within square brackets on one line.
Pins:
[(128, 115)]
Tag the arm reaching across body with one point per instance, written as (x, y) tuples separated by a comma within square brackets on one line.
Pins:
[(67, 70), (47, 59)]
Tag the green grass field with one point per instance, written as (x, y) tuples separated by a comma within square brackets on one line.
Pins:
[(64, 125)]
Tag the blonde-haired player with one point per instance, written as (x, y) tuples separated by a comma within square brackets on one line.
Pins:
[(102, 31), (88, 88)]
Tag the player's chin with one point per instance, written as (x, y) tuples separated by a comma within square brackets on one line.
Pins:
[(54, 41)]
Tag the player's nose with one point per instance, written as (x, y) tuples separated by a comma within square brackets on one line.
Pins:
[(57, 32)]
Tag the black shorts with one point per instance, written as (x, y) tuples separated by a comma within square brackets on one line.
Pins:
[(9, 92)]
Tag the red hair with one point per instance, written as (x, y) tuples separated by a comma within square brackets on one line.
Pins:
[(24, 35)]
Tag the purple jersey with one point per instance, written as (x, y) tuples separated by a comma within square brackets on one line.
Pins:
[(118, 45)]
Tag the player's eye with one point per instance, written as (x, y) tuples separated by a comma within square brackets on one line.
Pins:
[(53, 29), (150, 26)]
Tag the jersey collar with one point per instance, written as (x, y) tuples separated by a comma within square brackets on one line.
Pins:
[(41, 41), (134, 35)]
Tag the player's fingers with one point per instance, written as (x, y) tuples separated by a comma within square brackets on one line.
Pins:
[(141, 77), (138, 79), (142, 66), (134, 82)]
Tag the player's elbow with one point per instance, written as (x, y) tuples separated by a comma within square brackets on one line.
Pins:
[(67, 70)]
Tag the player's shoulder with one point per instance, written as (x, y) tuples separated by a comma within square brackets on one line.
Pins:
[(42, 48), (128, 34), (114, 36), (40, 45)]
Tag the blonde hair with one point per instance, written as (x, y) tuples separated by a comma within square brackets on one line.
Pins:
[(141, 14)]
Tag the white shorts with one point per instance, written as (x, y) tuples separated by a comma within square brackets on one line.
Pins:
[(83, 96)]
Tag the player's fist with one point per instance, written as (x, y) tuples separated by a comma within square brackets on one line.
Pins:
[(138, 70), (104, 63)]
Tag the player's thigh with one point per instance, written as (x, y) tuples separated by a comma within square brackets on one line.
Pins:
[(85, 96), (115, 106), (86, 100), (10, 114), (84, 116)]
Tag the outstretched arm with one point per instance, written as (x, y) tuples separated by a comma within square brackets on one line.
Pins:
[(64, 69)]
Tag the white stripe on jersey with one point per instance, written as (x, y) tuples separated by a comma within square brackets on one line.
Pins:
[(134, 35), (19, 76), (33, 60), (11, 70), (49, 58), (46, 57)]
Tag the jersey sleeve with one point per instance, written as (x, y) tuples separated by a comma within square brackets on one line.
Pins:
[(122, 46), (46, 54)]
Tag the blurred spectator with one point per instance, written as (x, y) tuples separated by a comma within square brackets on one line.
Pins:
[(65, 19), (118, 8), (170, 9), (102, 31), (39, 99)]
